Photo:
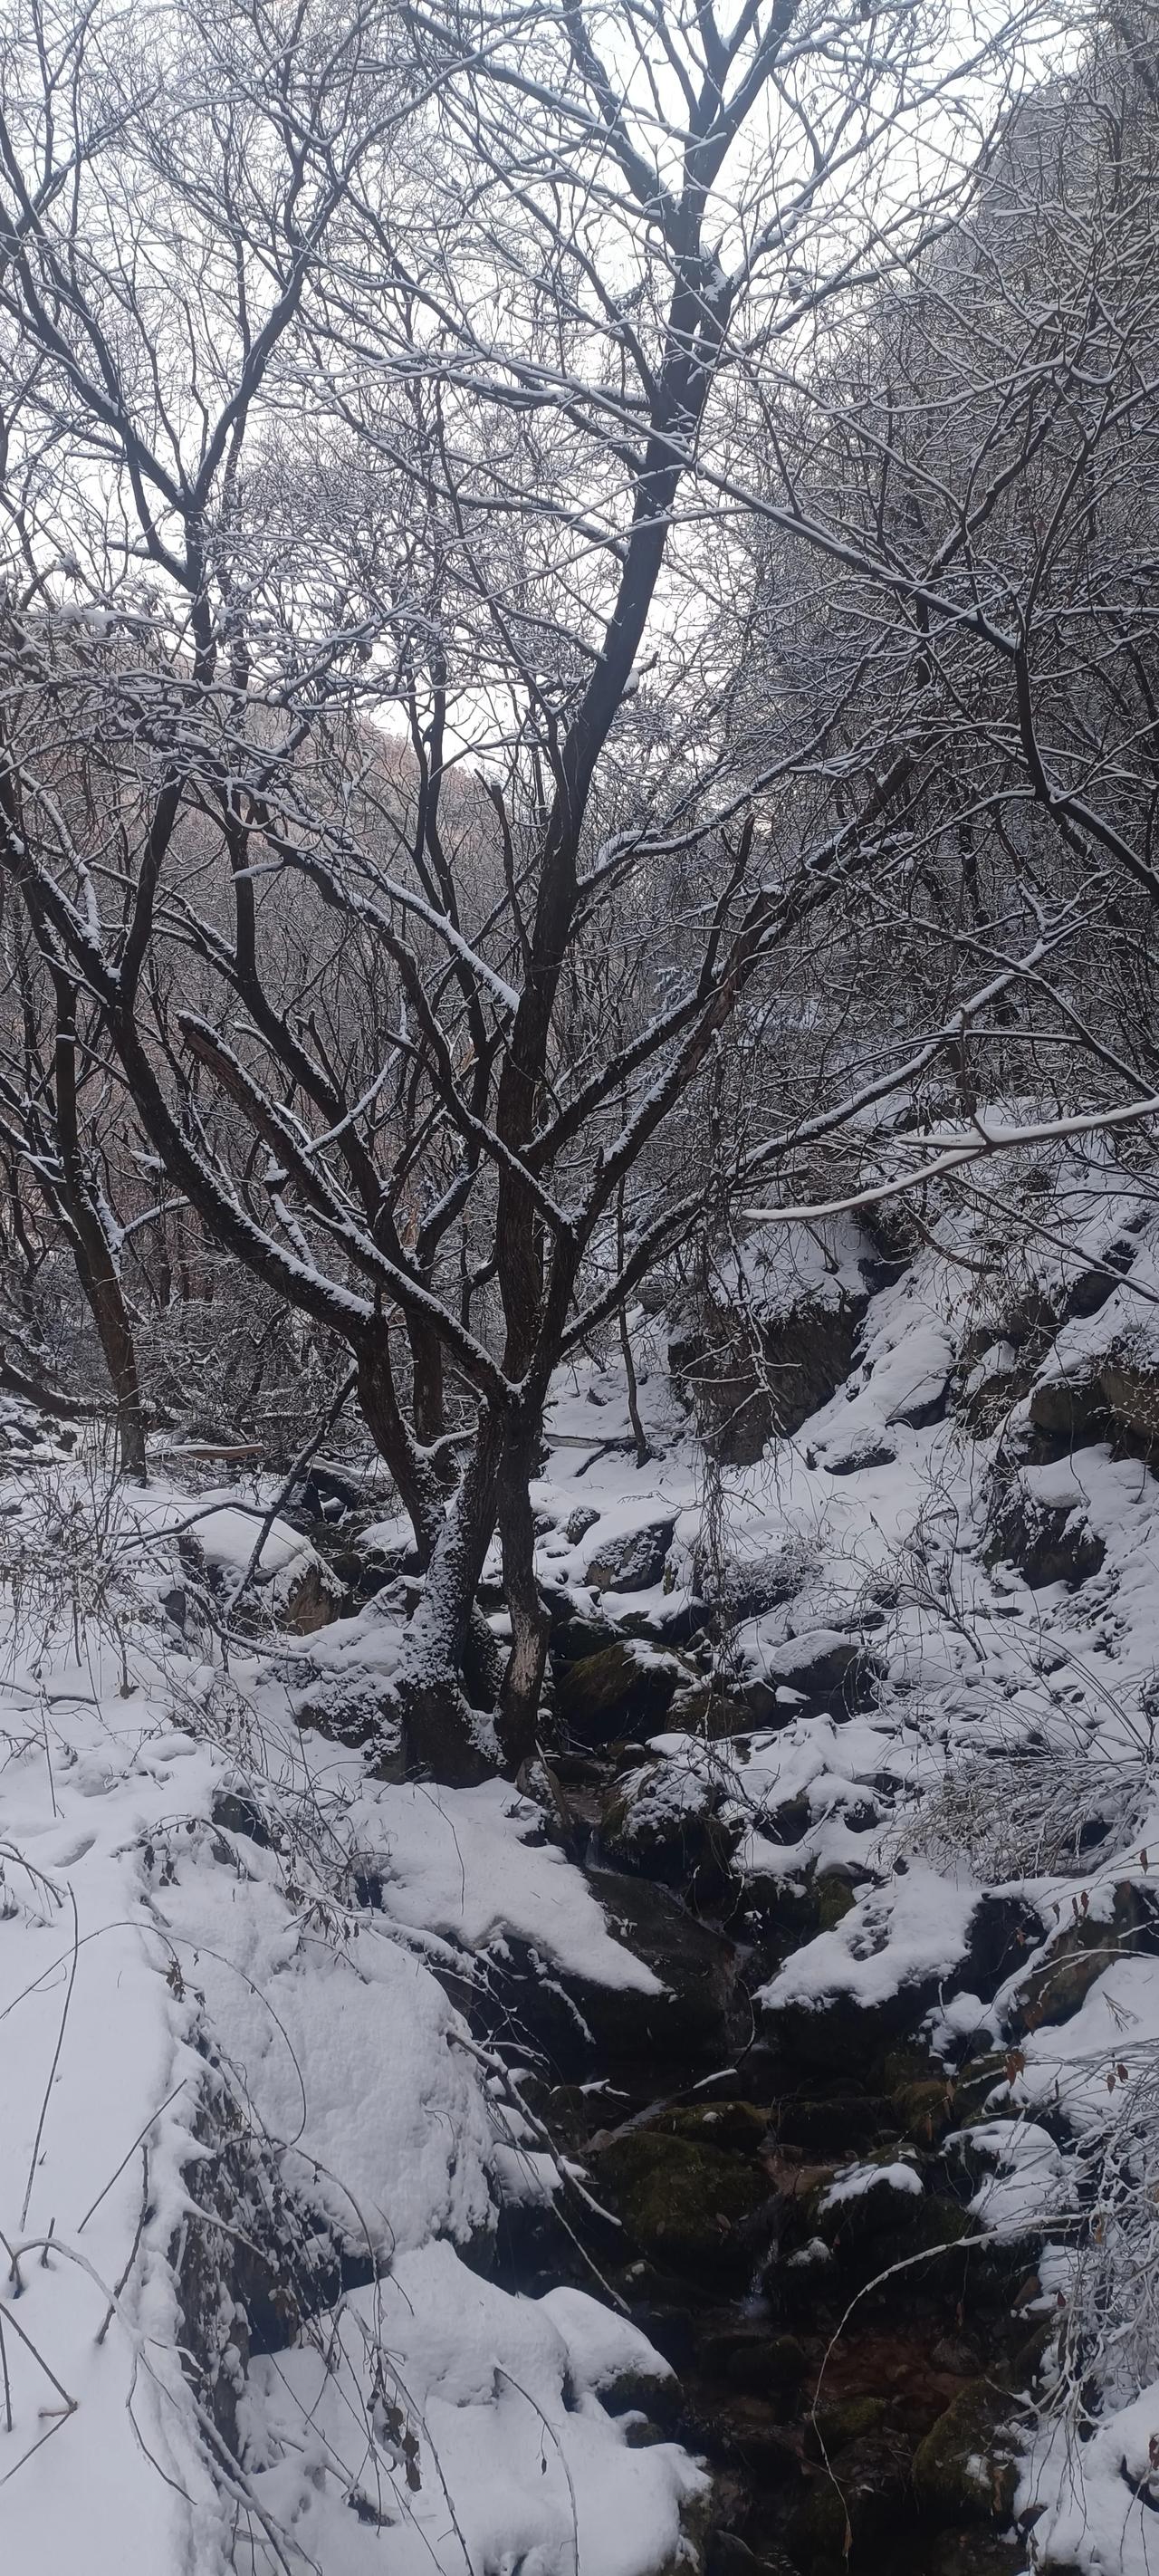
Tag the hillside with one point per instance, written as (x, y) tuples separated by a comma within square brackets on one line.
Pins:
[(740, 2127)]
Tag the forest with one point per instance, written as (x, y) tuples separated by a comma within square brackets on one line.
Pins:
[(579, 1287)]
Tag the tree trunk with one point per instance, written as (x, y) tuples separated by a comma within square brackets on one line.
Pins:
[(530, 1624), (442, 1733), (92, 1249), (383, 1416)]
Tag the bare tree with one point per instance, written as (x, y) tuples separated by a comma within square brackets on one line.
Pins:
[(375, 392)]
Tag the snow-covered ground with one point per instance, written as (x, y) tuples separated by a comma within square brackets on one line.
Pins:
[(185, 2001), (170, 1984)]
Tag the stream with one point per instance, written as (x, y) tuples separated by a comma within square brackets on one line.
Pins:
[(841, 2414)]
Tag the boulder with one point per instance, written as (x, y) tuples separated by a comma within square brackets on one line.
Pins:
[(1058, 1983), (1047, 1542), (581, 2026), (749, 1378), (978, 2553), (684, 2203), (823, 1669), (312, 1601), (855, 2515), (672, 1820), (623, 1689), (966, 2469), (746, 2356), (1115, 1398), (634, 1562)]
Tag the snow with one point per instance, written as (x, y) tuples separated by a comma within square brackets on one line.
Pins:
[(854, 2181), (894, 1937), (313, 1980), (142, 1946), (517, 2463)]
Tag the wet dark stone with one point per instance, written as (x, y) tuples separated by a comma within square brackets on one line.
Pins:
[(579, 2026), (683, 2202), (237, 1814), (611, 1693)]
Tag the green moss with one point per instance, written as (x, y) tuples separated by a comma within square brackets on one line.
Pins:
[(739, 2126), (834, 1899), (847, 2420), (925, 2110), (682, 2202), (964, 2470), (603, 1695)]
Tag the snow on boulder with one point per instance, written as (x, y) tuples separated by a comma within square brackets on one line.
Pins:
[(451, 2425), (633, 1561), (773, 1338)]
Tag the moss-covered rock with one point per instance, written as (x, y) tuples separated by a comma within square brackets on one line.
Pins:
[(734, 2127), (966, 2469), (835, 1899), (924, 2110), (684, 2203), (1057, 1985), (622, 1688), (831, 2428), (852, 2509)]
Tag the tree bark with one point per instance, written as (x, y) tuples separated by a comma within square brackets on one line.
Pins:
[(92, 1250), (530, 1623), (442, 1733)]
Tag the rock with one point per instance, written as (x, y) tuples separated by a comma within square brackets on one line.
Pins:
[(746, 2356), (749, 1379), (174, 1604), (581, 2025), (838, 2123), (624, 1687), (747, 1588), (312, 1601), (922, 1410), (966, 2468), (992, 1387), (579, 1522), (838, 2030), (635, 1562), (1002, 1929), (825, 1668), (869, 2502), (1077, 1958), (684, 2203), (853, 1462), (1067, 1413), (835, 1899), (673, 1619), (925, 2110), (882, 2203), (673, 1821), (726, 2554), (710, 1713), (1049, 1543), (862, 2237), (832, 2426), (237, 1813), (977, 2553), (740, 2127), (577, 1634)]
